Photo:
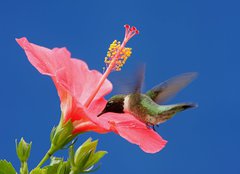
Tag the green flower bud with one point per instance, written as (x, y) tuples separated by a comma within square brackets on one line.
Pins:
[(85, 157), (23, 150)]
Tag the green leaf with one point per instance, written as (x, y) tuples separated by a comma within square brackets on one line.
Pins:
[(6, 167), (38, 171)]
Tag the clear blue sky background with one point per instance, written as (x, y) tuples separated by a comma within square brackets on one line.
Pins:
[(176, 37)]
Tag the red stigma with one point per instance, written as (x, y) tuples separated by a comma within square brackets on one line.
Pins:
[(133, 28), (127, 26), (130, 31)]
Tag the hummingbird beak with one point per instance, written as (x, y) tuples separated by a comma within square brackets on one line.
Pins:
[(104, 111)]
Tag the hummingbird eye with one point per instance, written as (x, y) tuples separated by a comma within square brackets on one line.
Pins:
[(109, 103)]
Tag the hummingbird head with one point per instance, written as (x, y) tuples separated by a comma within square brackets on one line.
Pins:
[(114, 104)]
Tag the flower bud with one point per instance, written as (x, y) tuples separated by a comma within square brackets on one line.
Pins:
[(85, 157), (23, 150)]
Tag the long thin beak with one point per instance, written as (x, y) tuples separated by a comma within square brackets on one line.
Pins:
[(99, 114), (104, 111)]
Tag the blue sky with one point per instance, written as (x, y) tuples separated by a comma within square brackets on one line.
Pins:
[(175, 37)]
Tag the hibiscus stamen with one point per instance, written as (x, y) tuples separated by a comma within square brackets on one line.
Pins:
[(112, 51), (117, 56)]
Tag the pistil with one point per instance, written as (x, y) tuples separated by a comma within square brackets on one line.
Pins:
[(116, 57)]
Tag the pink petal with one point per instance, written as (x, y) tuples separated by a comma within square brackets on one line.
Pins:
[(134, 131), (46, 61), (147, 139), (81, 81), (71, 76)]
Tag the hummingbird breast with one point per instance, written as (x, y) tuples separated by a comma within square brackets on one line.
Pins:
[(143, 108)]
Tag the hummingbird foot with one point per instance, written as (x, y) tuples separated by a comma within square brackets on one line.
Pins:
[(151, 126)]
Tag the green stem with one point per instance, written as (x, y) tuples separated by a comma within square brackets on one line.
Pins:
[(24, 168), (47, 156)]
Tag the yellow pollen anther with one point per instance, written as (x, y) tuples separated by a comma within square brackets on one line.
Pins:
[(122, 57)]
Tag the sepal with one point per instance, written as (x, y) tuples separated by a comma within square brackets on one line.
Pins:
[(62, 135)]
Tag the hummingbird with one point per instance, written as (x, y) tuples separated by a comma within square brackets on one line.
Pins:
[(148, 107)]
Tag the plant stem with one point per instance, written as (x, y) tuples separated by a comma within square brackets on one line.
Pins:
[(46, 157), (24, 168)]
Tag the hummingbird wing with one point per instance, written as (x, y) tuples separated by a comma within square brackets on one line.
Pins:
[(130, 84), (138, 84), (171, 87), (139, 80)]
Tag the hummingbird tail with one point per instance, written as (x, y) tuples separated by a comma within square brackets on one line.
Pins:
[(173, 109), (185, 106)]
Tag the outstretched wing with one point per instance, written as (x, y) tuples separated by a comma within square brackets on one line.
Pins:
[(139, 79), (171, 87), (132, 83)]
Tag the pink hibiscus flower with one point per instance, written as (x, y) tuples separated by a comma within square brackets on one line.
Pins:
[(82, 101)]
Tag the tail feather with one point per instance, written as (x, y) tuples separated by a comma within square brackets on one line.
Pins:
[(185, 106), (173, 109), (170, 110)]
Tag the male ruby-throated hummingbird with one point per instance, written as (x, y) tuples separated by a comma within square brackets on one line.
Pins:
[(148, 107)]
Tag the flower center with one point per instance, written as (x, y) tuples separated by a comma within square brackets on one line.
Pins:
[(116, 58)]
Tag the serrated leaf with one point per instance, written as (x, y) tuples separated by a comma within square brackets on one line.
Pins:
[(6, 167)]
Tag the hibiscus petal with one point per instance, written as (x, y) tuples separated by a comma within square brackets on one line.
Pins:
[(46, 61), (147, 139), (81, 81), (136, 132), (71, 75)]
